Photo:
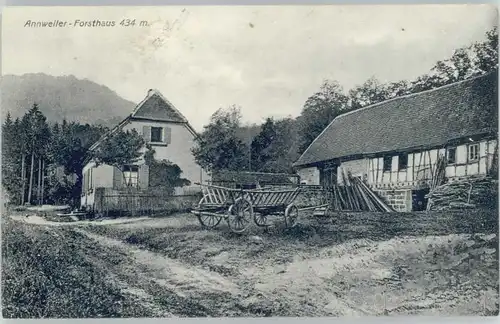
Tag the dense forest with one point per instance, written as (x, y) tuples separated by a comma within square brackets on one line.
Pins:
[(42, 161)]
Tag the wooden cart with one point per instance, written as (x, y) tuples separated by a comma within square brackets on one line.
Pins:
[(239, 207)]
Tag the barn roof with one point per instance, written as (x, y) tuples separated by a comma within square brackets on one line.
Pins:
[(426, 119)]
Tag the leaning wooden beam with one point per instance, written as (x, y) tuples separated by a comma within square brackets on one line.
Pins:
[(361, 202), (349, 200), (343, 204), (376, 198), (366, 199)]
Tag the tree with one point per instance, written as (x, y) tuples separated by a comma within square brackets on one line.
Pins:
[(284, 148), (274, 149), (119, 149), (163, 175), (71, 142), (486, 53), (369, 93), (218, 146), (319, 110), (37, 137), (466, 62), (260, 146), (11, 168), (69, 146), (398, 89)]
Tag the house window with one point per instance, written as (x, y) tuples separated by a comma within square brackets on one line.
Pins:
[(156, 134), (402, 161), (131, 174), (451, 155), (387, 163), (473, 152)]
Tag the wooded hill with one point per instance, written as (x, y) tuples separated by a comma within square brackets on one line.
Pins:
[(64, 97)]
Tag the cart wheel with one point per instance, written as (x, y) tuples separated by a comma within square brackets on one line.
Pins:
[(260, 219), (291, 215), (240, 214), (207, 221)]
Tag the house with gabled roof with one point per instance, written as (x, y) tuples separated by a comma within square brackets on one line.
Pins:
[(169, 133), (394, 145)]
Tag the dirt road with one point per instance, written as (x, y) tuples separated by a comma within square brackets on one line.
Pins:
[(311, 270), (343, 268)]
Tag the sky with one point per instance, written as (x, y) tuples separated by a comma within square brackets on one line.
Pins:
[(266, 59)]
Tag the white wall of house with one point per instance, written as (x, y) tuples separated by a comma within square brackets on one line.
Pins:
[(309, 176), (178, 150), (95, 177)]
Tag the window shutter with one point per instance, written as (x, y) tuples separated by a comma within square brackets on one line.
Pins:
[(167, 135), (146, 133), (117, 178), (144, 176)]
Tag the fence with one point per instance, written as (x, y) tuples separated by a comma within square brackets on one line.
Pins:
[(116, 203)]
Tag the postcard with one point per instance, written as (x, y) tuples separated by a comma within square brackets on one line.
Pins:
[(249, 161)]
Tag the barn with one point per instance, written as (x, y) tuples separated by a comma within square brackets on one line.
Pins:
[(394, 145)]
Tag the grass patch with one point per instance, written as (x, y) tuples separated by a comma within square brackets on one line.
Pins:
[(46, 274)]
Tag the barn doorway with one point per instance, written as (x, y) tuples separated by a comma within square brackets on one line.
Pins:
[(328, 177), (419, 202)]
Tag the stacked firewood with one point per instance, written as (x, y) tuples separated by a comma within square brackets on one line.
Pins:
[(463, 194)]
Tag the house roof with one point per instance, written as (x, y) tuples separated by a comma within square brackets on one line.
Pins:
[(154, 107), (426, 119)]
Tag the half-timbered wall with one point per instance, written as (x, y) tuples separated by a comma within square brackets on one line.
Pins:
[(420, 164), (413, 174)]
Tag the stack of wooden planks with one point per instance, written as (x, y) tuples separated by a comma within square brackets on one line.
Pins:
[(463, 194), (355, 195)]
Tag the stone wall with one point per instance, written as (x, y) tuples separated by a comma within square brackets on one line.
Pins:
[(399, 200)]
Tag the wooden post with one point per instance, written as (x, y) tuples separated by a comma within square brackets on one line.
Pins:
[(413, 167), (420, 162), (378, 170), (478, 156), (487, 154), (390, 174), (466, 158)]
